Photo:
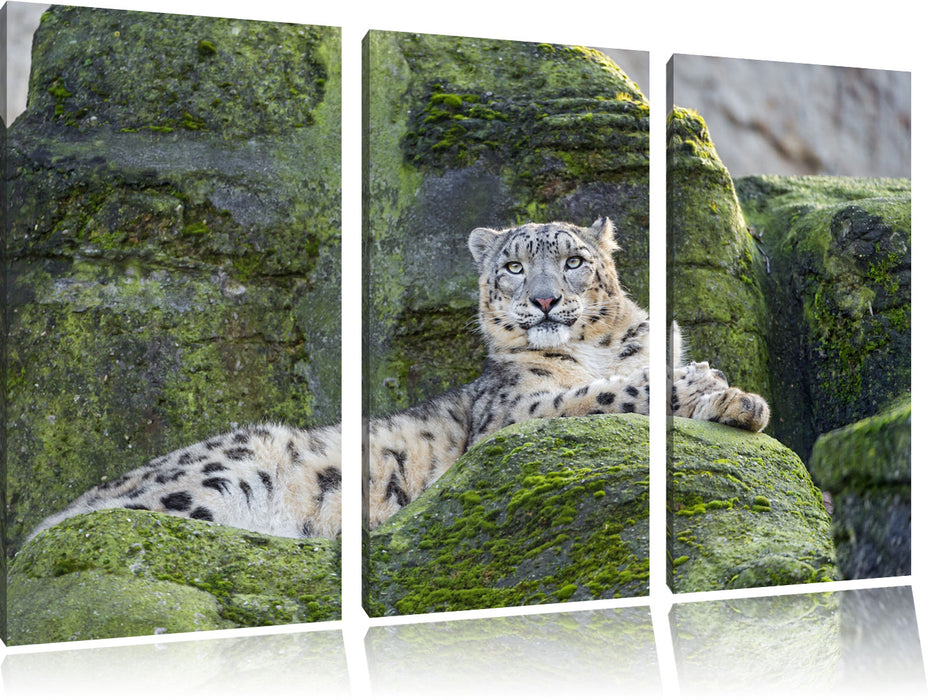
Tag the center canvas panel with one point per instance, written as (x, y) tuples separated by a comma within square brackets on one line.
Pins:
[(506, 288)]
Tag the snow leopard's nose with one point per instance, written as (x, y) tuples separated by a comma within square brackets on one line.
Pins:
[(546, 303)]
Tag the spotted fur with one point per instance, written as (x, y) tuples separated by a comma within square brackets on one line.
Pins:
[(267, 478), (563, 339)]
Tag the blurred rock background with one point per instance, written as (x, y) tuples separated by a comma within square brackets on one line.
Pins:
[(772, 118), (22, 20)]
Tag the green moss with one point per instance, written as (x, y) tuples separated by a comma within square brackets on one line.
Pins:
[(58, 91), (840, 296), (714, 267), (869, 453), (206, 48), (173, 72), (212, 576), (156, 296), (519, 524), (86, 417), (82, 606), (714, 472)]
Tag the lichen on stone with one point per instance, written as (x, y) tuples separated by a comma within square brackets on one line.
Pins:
[(518, 520), (865, 467), (713, 266), (206, 78), (128, 572), (839, 294), (742, 512), (173, 255)]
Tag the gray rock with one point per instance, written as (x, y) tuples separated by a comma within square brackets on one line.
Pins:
[(838, 293), (118, 573), (712, 262), (174, 250), (865, 467)]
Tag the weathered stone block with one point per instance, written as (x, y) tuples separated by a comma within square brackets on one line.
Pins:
[(173, 244), (116, 573), (541, 512), (742, 512), (866, 468), (838, 294), (712, 262)]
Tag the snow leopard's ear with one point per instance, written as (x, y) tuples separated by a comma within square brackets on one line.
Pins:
[(602, 232), (480, 242)]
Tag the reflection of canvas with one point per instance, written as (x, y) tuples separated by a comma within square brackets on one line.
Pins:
[(798, 286), (174, 269), (478, 135)]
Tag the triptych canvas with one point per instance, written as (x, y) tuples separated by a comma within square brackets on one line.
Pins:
[(172, 326)]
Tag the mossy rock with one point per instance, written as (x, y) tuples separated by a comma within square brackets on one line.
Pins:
[(541, 512), (838, 294), (471, 132), (742, 512), (866, 468), (713, 264), (233, 78), (116, 573), (169, 276)]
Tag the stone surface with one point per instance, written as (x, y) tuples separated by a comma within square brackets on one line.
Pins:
[(742, 512), (798, 288), (838, 295), (712, 263), (117, 573), (541, 512), (471, 132), (174, 243), (866, 468)]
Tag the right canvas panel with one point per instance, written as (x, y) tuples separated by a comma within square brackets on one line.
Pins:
[(788, 274)]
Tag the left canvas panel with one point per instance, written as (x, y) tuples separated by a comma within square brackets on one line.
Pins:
[(172, 267)]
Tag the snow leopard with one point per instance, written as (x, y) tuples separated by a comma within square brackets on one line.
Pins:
[(562, 338)]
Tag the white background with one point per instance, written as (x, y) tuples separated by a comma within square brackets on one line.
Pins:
[(895, 35)]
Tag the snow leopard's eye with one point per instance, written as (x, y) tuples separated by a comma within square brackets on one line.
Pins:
[(514, 268), (574, 262)]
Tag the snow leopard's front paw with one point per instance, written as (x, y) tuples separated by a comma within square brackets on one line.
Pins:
[(736, 408)]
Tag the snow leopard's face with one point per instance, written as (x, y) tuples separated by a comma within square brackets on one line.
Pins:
[(543, 285)]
